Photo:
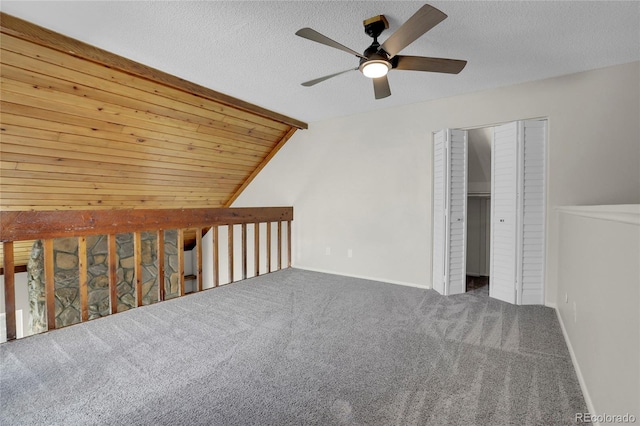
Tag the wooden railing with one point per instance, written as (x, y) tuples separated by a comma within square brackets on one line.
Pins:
[(48, 225)]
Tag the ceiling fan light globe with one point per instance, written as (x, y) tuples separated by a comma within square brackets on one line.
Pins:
[(375, 68)]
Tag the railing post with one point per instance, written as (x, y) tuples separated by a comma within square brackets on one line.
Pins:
[(180, 245), (216, 253), (279, 244), (256, 247), (160, 240), (50, 287), (113, 270), (137, 266), (82, 278), (9, 290), (244, 251), (199, 257), (268, 246), (288, 244), (230, 248)]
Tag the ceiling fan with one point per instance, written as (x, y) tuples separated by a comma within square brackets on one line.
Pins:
[(377, 60)]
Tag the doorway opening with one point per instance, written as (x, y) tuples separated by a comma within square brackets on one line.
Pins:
[(478, 209)]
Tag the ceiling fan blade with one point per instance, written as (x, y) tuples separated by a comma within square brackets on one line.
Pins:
[(313, 35), (423, 63), (381, 87), (326, 77), (422, 21)]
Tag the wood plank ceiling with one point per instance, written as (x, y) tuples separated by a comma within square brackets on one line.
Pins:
[(82, 128)]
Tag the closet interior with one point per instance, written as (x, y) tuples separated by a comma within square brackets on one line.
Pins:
[(478, 208)]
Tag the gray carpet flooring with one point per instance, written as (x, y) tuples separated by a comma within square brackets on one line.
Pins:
[(298, 348)]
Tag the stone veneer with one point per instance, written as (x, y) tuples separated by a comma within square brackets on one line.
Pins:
[(66, 273), (35, 289)]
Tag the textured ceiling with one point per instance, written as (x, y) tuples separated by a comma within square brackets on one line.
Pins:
[(249, 50)]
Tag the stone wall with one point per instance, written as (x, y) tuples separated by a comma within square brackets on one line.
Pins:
[(35, 289), (66, 276), (65, 255), (171, 264)]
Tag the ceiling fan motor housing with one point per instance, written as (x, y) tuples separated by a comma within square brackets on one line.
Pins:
[(372, 53), (374, 27)]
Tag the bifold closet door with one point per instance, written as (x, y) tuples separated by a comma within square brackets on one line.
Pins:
[(439, 211), (518, 205), (504, 212), (449, 211), (532, 207)]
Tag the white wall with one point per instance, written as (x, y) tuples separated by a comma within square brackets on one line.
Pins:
[(22, 304), (363, 182), (599, 306), (479, 160)]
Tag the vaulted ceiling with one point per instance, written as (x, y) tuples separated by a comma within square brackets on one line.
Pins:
[(248, 49)]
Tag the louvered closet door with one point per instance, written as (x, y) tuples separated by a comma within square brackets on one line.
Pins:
[(504, 223), (457, 207), (532, 206), (439, 202), (449, 211)]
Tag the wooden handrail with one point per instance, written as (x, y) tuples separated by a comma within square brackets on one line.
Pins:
[(47, 225), (32, 225), (9, 291)]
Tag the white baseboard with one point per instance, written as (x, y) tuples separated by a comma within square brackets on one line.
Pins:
[(364, 277), (576, 366)]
